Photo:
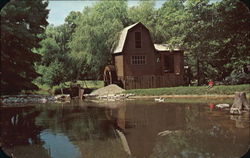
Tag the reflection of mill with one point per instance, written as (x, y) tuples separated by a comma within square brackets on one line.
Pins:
[(139, 126)]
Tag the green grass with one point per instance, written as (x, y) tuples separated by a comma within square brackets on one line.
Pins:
[(45, 89), (194, 90), (91, 83)]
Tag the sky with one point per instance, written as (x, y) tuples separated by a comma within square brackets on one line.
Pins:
[(60, 9)]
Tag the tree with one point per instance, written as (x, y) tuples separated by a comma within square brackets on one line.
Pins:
[(145, 13), (55, 65), (96, 33), (21, 23), (170, 23), (185, 24), (217, 38), (198, 25), (231, 45), (71, 20)]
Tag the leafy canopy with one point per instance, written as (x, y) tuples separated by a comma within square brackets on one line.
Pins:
[(21, 23)]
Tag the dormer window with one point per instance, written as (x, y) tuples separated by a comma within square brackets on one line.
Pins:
[(137, 39)]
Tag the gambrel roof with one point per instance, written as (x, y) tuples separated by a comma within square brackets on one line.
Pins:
[(123, 36)]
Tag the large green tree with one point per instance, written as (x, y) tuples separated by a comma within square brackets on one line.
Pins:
[(58, 65), (215, 36), (198, 28), (170, 22), (55, 65), (231, 32), (21, 23), (97, 32)]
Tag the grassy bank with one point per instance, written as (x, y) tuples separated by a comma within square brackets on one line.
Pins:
[(194, 90), (44, 89)]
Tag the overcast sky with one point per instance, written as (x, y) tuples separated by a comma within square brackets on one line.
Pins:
[(59, 9)]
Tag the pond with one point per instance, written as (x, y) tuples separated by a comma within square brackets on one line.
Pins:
[(123, 129)]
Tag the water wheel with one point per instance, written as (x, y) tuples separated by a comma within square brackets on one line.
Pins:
[(109, 75)]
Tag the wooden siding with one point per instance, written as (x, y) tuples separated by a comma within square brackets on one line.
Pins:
[(147, 50), (119, 65), (152, 81), (135, 75)]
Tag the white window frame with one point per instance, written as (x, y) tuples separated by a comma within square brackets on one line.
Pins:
[(138, 60)]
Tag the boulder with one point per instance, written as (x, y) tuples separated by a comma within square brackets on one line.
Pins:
[(240, 103), (222, 106), (62, 97)]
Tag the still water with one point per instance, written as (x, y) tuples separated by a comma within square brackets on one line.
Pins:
[(122, 129)]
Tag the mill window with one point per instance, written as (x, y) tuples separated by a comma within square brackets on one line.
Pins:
[(169, 63), (137, 39), (138, 60)]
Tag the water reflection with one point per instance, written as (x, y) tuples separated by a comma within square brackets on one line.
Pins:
[(123, 129), (59, 145), (18, 125), (20, 132)]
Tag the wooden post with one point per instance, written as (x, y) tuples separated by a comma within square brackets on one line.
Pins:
[(81, 92)]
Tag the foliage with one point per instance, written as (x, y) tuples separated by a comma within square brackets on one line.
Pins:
[(232, 38), (53, 74), (96, 33), (55, 65), (46, 89), (21, 23), (214, 35), (237, 77), (71, 20), (170, 23), (215, 38)]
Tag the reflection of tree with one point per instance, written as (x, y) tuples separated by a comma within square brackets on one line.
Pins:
[(87, 128), (18, 126), (203, 136), (19, 133), (80, 123)]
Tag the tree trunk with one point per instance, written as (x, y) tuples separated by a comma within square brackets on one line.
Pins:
[(240, 103), (198, 71), (61, 90)]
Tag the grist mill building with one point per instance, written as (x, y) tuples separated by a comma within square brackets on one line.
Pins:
[(139, 63)]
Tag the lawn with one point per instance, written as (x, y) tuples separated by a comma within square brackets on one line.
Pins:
[(193, 90), (93, 84)]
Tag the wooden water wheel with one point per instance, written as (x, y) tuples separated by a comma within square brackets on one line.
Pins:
[(109, 75)]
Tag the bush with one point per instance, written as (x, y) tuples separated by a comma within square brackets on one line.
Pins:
[(237, 77)]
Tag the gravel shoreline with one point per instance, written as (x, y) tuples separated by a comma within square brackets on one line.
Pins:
[(102, 93), (181, 96), (6, 99)]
